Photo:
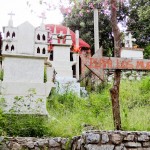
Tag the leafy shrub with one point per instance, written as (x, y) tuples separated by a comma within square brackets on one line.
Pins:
[(23, 125)]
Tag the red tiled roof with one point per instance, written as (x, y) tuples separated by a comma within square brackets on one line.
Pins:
[(64, 29)]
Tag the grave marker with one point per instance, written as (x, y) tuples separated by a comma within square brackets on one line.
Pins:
[(62, 63), (42, 17), (95, 64), (10, 23), (114, 63), (118, 63), (24, 55), (98, 72), (11, 14), (128, 40)]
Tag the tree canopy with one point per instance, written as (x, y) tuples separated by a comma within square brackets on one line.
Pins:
[(138, 22), (82, 19)]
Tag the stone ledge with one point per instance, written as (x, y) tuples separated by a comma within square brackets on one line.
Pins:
[(19, 143), (116, 140), (90, 140)]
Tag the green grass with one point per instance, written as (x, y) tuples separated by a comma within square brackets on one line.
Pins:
[(70, 115), (138, 119)]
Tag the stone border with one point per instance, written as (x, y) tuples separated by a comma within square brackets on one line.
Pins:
[(112, 140), (89, 140), (27, 143)]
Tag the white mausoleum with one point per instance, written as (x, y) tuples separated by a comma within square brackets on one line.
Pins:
[(24, 54), (62, 64)]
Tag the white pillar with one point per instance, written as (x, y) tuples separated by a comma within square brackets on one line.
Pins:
[(77, 37), (96, 31), (77, 55)]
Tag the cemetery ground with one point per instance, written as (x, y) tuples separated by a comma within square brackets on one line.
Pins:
[(70, 115)]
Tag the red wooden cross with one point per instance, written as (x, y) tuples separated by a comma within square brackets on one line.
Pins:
[(97, 64)]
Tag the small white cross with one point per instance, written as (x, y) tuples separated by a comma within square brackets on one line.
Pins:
[(43, 17), (128, 40), (10, 22), (61, 35), (11, 14)]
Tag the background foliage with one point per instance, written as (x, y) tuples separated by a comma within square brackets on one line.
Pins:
[(81, 18), (139, 23)]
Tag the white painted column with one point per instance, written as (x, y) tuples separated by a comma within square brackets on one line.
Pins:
[(96, 31), (77, 55)]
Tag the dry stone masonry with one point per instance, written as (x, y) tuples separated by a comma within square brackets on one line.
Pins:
[(28, 143), (112, 140), (89, 140)]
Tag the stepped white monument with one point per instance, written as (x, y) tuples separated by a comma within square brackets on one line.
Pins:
[(61, 62), (24, 55)]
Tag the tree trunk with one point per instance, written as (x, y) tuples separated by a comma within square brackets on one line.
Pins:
[(114, 91)]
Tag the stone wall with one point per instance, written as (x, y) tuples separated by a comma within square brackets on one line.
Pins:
[(90, 140), (112, 140), (30, 143)]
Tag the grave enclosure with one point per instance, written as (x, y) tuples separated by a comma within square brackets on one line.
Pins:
[(97, 65), (131, 59)]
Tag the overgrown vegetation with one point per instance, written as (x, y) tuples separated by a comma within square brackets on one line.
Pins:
[(69, 115), (23, 125)]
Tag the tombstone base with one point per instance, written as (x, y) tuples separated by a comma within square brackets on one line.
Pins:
[(64, 85), (25, 98), (24, 104)]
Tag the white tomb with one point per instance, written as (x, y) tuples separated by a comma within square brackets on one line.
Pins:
[(129, 51), (62, 64), (24, 54)]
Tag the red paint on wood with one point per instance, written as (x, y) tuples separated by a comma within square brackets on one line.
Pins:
[(118, 63)]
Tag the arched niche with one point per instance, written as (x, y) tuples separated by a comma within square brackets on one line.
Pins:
[(12, 48), (8, 34), (13, 34), (6, 47), (38, 50), (38, 37), (43, 37), (43, 51)]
